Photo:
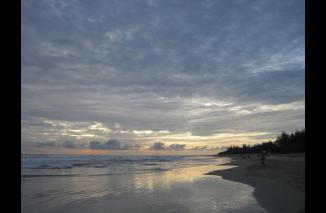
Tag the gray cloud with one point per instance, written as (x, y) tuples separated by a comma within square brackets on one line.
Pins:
[(200, 148), (65, 144), (220, 148), (130, 62), (177, 146), (45, 144), (69, 145), (131, 147), (158, 146), (162, 146), (95, 145), (112, 144)]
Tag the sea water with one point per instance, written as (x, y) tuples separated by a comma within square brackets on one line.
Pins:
[(99, 183)]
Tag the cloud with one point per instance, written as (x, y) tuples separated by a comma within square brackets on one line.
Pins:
[(177, 146), (200, 148), (158, 146), (65, 144), (95, 145), (112, 144), (46, 144), (162, 146), (211, 148), (69, 145), (90, 68), (131, 147)]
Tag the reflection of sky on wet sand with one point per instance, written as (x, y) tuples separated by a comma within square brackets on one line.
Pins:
[(152, 181), (179, 190)]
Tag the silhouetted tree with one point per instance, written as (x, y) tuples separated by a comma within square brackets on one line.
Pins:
[(284, 143)]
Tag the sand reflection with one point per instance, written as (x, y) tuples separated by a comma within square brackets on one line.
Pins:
[(153, 181)]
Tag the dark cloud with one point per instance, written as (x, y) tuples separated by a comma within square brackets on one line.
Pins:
[(69, 145), (162, 146), (112, 144), (131, 147), (200, 148), (158, 146), (95, 145), (130, 62), (177, 146), (65, 144), (45, 144)]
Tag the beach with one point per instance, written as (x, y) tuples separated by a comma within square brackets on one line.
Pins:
[(209, 184), (132, 184), (278, 187)]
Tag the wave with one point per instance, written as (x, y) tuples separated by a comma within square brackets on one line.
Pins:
[(69, 163), (63, 166), (45, 166), (154, 170)]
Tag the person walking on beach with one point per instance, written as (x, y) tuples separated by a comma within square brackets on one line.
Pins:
[(263, 157), (242, 155)]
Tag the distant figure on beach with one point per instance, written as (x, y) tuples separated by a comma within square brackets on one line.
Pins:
[(248, 155), (263, 157)]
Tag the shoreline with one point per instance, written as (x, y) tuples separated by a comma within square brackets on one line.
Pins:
[(181, 189), (278, 187)]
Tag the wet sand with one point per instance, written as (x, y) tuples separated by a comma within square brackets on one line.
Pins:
[(179, 190), (278, 187)]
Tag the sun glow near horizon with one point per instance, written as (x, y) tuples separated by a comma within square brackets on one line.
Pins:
[(135, 142)]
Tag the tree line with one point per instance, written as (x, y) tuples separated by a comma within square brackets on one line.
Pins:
[(284, 143)]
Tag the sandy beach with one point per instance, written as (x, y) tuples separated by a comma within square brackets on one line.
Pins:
[(278, 187), (157, 184)]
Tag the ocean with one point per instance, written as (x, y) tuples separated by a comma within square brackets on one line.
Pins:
[(101, 183)]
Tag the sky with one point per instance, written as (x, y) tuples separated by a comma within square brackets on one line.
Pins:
[(159, 76)]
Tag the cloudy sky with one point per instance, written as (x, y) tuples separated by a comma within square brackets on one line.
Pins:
[(153, 76)]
